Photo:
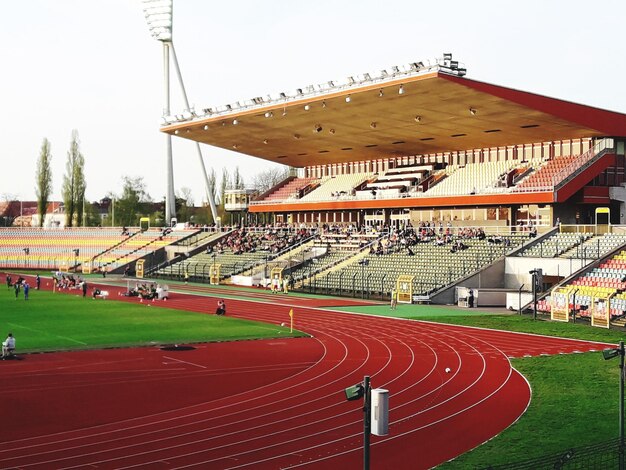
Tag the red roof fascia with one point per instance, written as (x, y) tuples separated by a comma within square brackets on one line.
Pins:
[(608, 122)]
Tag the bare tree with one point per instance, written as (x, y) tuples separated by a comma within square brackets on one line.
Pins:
[(43, 180), (186, 203), (269, 178)]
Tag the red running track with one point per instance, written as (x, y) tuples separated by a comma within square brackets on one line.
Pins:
[(270, 404)]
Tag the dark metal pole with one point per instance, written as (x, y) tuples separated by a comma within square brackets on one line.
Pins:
[(367, 425), (519, 306), (621, 405), (534, 278)]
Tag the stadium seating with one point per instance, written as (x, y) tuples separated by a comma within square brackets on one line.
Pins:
[(473, 178), (434, 265), (555, 245), (50, 249), (291, 190), (330, 186)]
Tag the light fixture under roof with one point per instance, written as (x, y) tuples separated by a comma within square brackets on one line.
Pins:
[(206, 127), (269, 114), (235, 146), (317, 128), (418, 118), (473, 111), (307, 107), (316, 93), (296, 136), (235, 122), (265, 141), (373, 125), (323, 104), (332, 131)]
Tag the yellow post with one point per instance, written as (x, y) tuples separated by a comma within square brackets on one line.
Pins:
[(291, 316)]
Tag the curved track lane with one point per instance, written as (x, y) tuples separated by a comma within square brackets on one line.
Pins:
[(280, 403)]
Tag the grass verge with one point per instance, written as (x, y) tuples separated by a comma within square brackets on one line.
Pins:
[(49, 322), (575, 402)]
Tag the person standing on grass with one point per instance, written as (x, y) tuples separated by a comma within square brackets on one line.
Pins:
[(84, 289), (9, 281), (186, 277), (394, 299), (26, 290), (37, 282), (16, 287)]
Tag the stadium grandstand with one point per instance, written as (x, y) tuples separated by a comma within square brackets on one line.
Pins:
[(419, 171)]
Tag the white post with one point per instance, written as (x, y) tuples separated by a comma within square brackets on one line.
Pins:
[(209, 193)]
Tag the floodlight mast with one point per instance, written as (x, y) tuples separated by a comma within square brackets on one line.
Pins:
[(158, 15), (208, 189)]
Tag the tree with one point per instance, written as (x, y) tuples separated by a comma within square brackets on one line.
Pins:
[(74, 183), (43, 180), (237, 182), (133, 203), (186, 198), (212, 188), (221, 208), (266, 180)]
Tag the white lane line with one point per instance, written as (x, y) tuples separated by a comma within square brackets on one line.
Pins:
[(184, 362)]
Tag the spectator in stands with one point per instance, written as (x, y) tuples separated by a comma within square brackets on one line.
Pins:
[(8, 346)]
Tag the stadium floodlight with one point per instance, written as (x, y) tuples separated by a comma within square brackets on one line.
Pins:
[(158, 15)]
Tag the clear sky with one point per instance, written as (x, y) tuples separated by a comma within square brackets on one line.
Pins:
[(93, 66)]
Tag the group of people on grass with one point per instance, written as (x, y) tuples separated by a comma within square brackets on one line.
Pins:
[(19, 285), (147, 292)]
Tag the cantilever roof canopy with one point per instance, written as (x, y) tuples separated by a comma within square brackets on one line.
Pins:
[(436, 112)]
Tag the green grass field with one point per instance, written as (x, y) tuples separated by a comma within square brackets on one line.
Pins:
[(51, 322)]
